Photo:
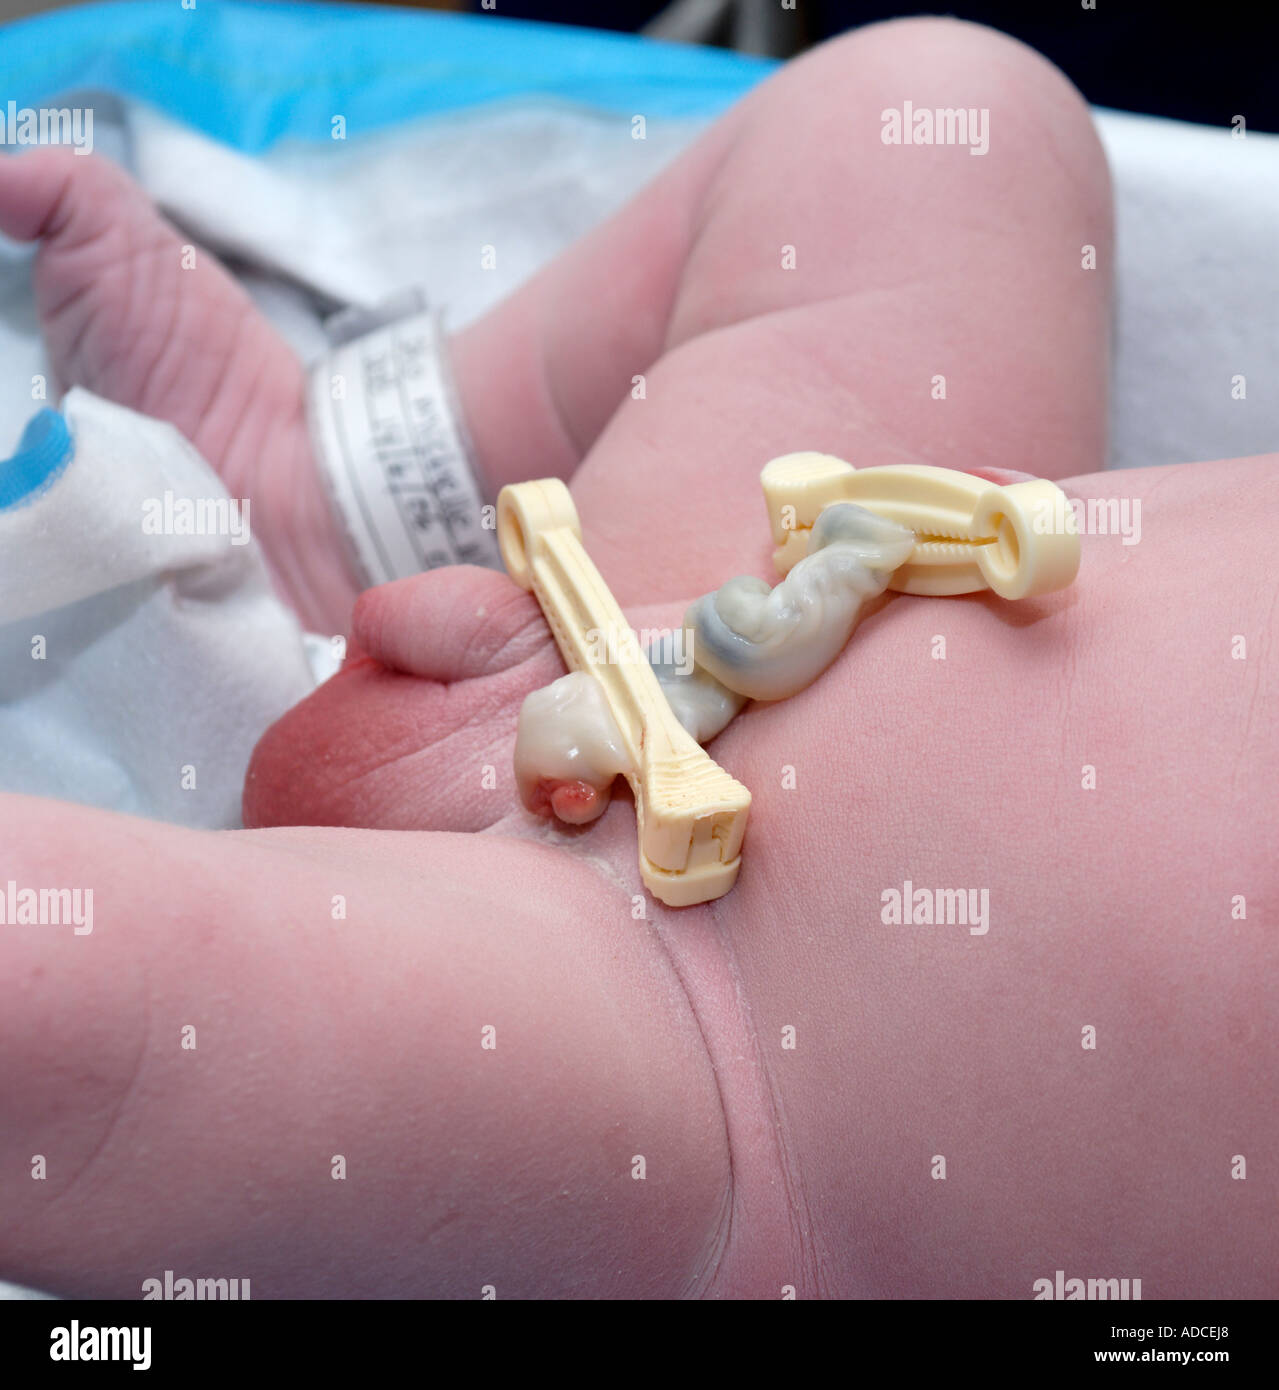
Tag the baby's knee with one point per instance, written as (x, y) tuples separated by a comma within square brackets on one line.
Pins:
[(900, 57), (939, 81)]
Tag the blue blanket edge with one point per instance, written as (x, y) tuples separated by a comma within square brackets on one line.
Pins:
[(253, 74)]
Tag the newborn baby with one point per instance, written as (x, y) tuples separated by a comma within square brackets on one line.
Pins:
[(478, 1054)]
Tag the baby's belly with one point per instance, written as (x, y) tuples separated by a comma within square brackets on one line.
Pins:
[(1005, 1021), (989, 998)]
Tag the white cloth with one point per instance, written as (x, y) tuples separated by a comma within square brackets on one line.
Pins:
[(137, 670), (1197, 213)]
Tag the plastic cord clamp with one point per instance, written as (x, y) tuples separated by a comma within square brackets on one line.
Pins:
[(691, 814), (971, 534)]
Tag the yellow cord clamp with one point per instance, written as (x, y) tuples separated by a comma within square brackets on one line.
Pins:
[(691, 814), (969, 535), (1016, 540)]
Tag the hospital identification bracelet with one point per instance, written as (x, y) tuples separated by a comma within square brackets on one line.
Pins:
[(392, 446)]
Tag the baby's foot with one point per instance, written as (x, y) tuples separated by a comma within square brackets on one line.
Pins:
[(133, 312)]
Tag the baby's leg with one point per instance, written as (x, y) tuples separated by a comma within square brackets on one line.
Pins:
[(911, 264), (765, 361), (252, 1013), (879, 269)]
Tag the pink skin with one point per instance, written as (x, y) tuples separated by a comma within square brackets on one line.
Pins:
[(766, 1165), (574, 803)]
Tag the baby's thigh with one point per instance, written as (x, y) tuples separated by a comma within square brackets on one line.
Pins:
[(887, 303), (1007, 878), (823, 192), (473, 1033)]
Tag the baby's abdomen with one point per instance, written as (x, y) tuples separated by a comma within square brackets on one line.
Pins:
[(987, 931)]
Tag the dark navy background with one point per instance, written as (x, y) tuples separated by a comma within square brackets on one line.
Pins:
[(1195, 62)]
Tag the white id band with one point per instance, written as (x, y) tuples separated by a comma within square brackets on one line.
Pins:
[(390, 441)]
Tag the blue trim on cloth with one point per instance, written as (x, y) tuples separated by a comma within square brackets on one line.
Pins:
[(43, 452), (252, 74)]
